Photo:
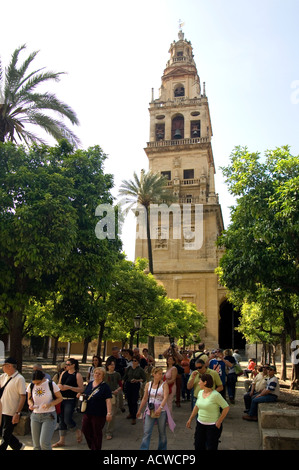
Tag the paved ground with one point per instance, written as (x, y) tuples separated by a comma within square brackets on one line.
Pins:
[(237, 433)]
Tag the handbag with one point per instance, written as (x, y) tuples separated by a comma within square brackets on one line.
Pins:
[(85, 400), (83, 406), (113, 400), (238, 369)]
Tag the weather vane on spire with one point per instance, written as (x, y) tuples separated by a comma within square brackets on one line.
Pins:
[(181, 23), (181, 34)]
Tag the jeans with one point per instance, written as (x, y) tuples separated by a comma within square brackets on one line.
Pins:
[(148, 429), (42, 430), (206, 436), (264, 399), (66, 416), (248, 399)]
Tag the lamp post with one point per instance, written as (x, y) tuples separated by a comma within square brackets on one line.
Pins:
[(137, 327)]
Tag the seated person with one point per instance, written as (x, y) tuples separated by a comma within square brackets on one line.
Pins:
[(257, 385), (269, 394), (250, 367)]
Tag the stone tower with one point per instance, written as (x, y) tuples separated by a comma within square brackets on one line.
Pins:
[(180, 148)]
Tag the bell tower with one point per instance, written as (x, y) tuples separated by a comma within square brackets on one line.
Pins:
[(180, 148)]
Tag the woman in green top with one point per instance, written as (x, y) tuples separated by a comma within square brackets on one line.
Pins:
[(209, 416)]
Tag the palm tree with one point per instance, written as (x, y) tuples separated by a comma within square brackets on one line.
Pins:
[(21, 105), (150, 188)]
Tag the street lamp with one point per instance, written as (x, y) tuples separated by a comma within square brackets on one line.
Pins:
[(137, 327)]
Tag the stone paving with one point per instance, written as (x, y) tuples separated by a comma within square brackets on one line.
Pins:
[(237, 434)]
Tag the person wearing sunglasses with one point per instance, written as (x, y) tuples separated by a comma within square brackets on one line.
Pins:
[(70, 384), (194, 380)]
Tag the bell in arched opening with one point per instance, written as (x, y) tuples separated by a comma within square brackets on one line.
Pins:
[(177, 134), (177, 128)]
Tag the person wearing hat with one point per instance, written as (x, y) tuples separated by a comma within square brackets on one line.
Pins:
[(13, 396), (268, 395)]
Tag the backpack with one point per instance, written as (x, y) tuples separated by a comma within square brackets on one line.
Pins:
[(192, 362), (50, 386), (57, 407)]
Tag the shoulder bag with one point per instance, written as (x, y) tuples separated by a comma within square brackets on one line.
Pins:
[(85, 400)]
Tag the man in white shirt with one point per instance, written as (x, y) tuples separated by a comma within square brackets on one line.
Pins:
[(13, 391)]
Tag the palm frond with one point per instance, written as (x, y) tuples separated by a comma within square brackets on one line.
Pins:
[(53, 127), (21, 105), (49, 101), (36, 78)]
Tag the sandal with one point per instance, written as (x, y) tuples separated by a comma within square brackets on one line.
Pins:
[(79, 436), (58, 444)]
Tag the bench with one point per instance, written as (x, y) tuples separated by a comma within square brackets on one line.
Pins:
[(278, 427)]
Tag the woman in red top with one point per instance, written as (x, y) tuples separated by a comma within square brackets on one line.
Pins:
[(250, 368)]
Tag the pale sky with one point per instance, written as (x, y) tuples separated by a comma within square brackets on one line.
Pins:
[(114, 53)]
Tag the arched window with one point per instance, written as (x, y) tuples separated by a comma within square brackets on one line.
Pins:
[(177, 127)]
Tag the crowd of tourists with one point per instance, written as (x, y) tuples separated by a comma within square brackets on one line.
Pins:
[(131, 378)]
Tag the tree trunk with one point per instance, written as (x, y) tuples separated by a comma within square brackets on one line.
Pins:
[(104, 350), (290, 325), (46, 347), (151, 346), (151, 339), (149, 243), (85, 349), (131, 339), (283, 372), (15, 321), (100, 338), (54, 359)]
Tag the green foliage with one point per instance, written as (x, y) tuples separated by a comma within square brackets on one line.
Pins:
[(181, 319), (261, 243), (260, 262), (48, 199)]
